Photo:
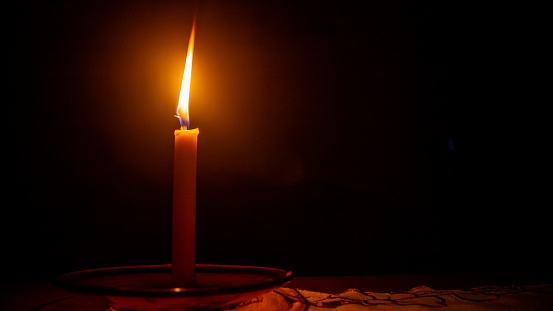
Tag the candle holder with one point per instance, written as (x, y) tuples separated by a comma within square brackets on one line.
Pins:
[(150, 287)]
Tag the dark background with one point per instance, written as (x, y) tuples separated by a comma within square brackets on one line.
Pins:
[(336, 137)]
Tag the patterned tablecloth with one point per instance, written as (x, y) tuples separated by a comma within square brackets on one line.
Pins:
[(525, 298), (539, 297)]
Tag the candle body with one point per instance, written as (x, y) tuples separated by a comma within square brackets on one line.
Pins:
[(184, 208)]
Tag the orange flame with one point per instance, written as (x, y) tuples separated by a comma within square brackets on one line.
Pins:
[(182, 109)]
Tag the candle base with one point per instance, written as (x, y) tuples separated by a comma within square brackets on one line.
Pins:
[(150, 287)]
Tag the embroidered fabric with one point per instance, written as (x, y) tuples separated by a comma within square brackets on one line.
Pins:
[(538, 297), (489, 298)]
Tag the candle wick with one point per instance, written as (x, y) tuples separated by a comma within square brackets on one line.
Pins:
[(183, 126)]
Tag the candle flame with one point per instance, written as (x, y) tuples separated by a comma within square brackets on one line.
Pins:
[(182, 109)]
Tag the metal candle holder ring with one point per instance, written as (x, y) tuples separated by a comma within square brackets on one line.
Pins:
[(150, 287)]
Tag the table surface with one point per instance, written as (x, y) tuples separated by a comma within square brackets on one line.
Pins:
[(29, 294)]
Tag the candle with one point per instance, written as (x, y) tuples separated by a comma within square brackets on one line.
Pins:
[(184, 186)]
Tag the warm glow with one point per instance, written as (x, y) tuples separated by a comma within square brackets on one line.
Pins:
[(182, 109)]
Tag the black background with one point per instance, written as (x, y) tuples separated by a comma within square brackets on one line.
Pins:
[(336, 137)]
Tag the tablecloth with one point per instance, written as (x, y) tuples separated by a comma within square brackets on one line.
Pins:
[(497, 298), (537, 297)]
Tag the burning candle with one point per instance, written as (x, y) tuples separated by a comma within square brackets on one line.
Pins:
[(184, 186)]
